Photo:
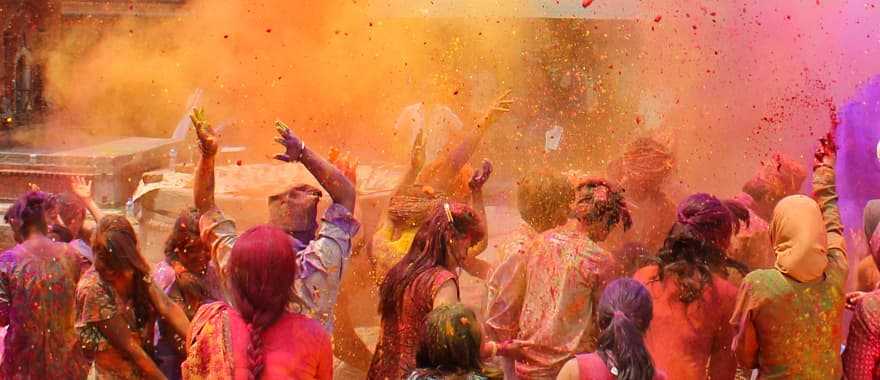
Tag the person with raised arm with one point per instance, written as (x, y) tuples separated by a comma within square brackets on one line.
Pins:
[(425, 185), (788, 318), (323, 249)]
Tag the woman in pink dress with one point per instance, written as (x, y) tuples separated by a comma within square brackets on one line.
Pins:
[(257, 338), (625, 313)]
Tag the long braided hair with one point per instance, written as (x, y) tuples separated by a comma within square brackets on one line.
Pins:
[(696, 244), (430, 248), (262, 268)]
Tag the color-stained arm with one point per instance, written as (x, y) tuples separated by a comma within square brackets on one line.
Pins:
[(825, 192), (443, 170), (203, 185), (331, 178), (474, 266), (417, 161), (83, 190), (168, 310), (117, 333), (745, 342)]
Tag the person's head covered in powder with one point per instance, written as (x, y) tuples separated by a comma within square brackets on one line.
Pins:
[(599, 206), (543, 198), (452, 344), (695, 247), (644, 167)]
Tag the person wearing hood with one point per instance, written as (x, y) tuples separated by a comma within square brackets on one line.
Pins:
[(863, 342), (788, 317)]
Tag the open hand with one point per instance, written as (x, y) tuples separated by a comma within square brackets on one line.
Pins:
[(853, 299), (208, 139), (499, 106), (293, 146), (81, 188), (481, 176), (826, 154)]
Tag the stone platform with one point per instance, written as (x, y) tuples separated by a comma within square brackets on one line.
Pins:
[(114, 167)]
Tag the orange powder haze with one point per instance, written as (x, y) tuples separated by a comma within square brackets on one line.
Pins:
[(701, 74)]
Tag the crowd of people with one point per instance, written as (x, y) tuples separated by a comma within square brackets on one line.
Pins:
[(606, 279)]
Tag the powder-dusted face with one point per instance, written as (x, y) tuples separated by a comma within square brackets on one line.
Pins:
[(295, 209)]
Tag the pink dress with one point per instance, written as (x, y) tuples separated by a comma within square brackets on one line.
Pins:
[(861, 360), (591, 367), (395, 354), (295, 347)]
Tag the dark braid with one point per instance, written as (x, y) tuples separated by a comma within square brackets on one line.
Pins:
[(262, 271), (256, 358)]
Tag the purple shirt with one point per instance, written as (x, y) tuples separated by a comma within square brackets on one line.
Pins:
[(320, 263)]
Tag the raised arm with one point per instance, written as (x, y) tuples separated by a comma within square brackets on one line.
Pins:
[(475, 266), (203, 186), (83, 190), (825, 192), (416, 162), (331, 179), (442, 170)]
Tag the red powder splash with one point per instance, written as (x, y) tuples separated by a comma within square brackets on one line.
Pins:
[(586, 3)]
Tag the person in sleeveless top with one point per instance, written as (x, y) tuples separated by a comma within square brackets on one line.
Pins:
[(625, 312), (789, 317)]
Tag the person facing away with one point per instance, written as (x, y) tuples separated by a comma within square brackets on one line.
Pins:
[(253, 336), (543, 199), (778, 179), (423, 280), (37, 300), (643, 171), (323, 250), (550, 298), (624, 315), (861, 359), (117, 305), (788, 318), (423, 186), (451, 348), (692, 300), (187, 279)]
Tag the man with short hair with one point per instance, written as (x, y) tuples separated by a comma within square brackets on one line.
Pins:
[(556, 282)]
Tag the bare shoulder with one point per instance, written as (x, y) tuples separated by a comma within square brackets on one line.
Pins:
[(570, 371)]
